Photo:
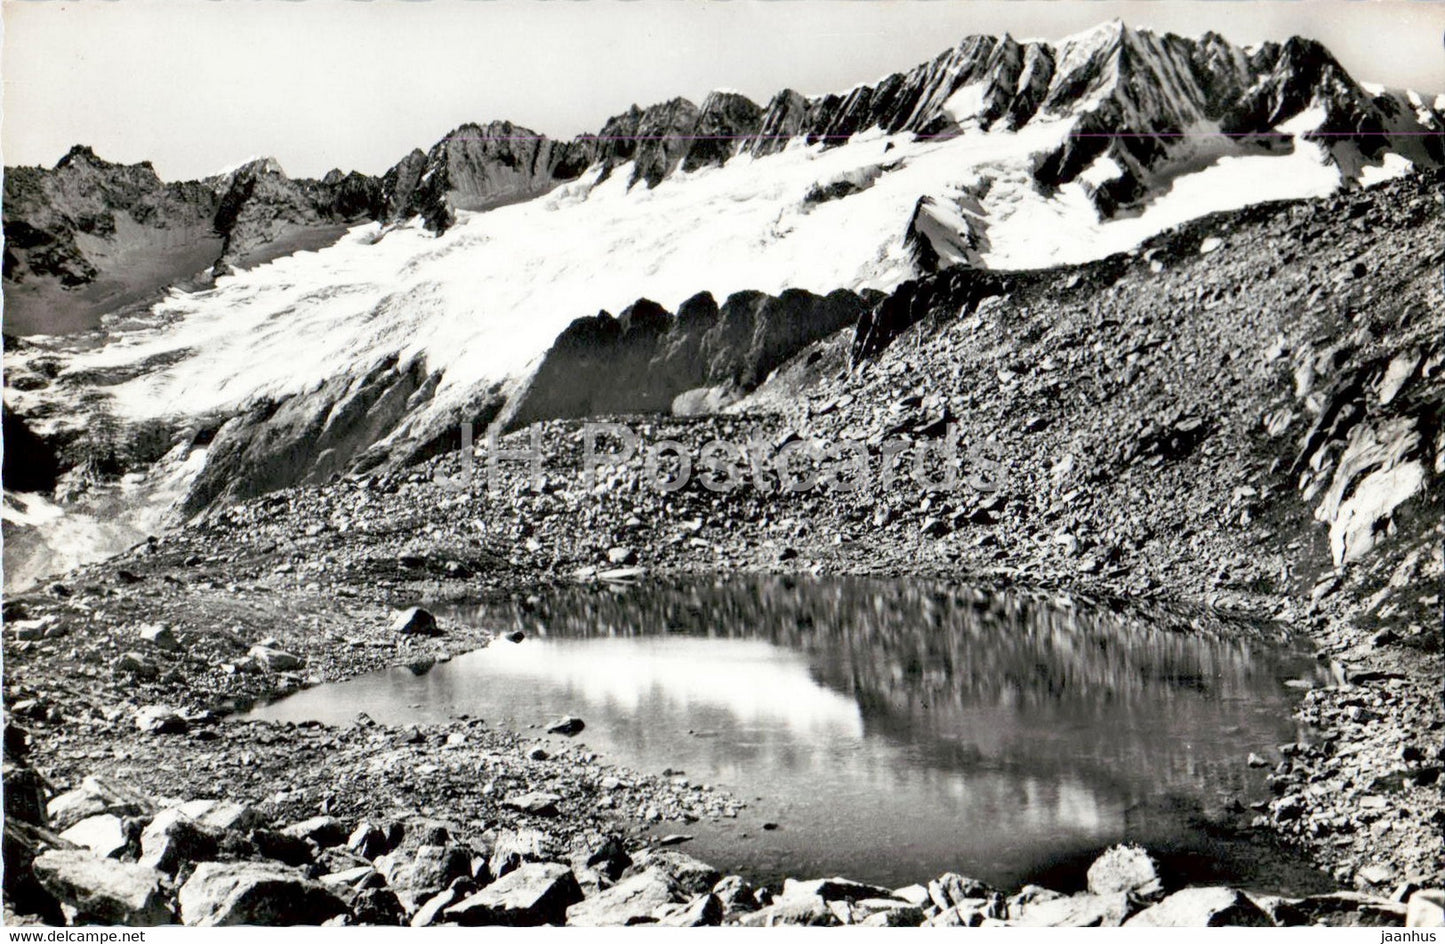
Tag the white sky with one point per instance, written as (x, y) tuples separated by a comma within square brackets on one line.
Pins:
[(195, 85)]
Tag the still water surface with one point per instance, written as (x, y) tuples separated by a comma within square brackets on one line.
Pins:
[(892, 729)]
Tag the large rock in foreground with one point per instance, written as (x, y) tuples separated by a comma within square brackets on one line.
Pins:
[(93, 797), (1126, 869), (103, 834), (173, 838), (534, 894), (1079, 911), (1426, 909), (693, 875), (630, 901), (1202, 908), (231, 893), (104, 891)]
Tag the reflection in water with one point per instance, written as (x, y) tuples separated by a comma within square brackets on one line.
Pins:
[(895, 729)]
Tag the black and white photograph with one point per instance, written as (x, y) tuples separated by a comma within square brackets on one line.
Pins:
[(744, 463)]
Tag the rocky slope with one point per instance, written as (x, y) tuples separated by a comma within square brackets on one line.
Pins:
[(1242, 415)]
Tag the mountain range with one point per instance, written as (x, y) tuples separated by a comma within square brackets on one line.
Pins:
[(251, 331)]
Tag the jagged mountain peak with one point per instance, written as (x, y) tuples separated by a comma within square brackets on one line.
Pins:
[(83, 157), (1140, 81), (722, 97), (251, 166), (496, 129), (1116, 110), (81, 154), (261, 165), (1105, 34)]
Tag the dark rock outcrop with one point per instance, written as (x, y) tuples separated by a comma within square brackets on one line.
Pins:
[(262, 212), (655, 138), (642, 360), (957, 292), (88, 236), (307, 438), (477, 167), (725, 120)]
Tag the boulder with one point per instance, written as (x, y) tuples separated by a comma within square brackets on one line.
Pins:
[(173, 838), (378, 906), (533, 894), (807, 912), (704, 911), (1127, 869), (94, 796), (368, 841), (1426, 909), (135, 665), (913, 894), (902, 916), (514, 847), (325, 831), (103, 834), (103, 891), (433, 834), (415, 621), (232, 893), (281, 847), (223, 814), (160, 636), (274, 660), (30, 630), (631, 901), (430, 870), (693, 875), (537, 803), (568, 726), (337, 859), (735, 895), (1202, 908), (158, 719), (950, 889), (429, 913), (1078, 911), (603, 856), (832, 889), (968, 915)]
